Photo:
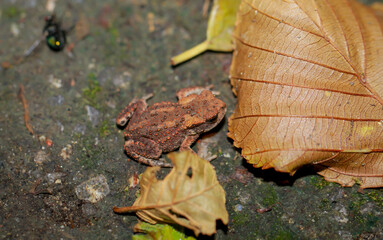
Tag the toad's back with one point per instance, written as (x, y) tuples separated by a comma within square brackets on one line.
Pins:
[(161, 122)]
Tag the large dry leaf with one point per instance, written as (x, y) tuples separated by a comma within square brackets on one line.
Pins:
[(189, 195), (308, 76)]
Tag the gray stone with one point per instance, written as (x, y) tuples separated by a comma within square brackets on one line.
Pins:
[(93, 190)]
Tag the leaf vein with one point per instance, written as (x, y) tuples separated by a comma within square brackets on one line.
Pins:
[(292, 56), (302, 86), (309, 116)]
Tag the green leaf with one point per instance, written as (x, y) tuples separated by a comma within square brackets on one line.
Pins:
[(219, 31), (159, 232)]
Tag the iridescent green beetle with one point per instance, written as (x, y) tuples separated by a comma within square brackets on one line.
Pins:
[(55, 36)]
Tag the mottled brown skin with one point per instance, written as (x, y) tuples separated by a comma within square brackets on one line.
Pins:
[(167, 126)]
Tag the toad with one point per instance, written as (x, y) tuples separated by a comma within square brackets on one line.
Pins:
[(167, 126)]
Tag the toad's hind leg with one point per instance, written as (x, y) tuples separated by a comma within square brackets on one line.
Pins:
[(145, 151)]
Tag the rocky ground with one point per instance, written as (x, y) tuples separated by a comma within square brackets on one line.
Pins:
[(73, 98)]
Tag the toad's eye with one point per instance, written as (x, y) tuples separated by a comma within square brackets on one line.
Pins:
[(211, 118)]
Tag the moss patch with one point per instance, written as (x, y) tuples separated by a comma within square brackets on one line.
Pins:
[(319, 182), (240, 219), (377, 197), (270, 196), (92, 91), (104, 128), (12, 12)]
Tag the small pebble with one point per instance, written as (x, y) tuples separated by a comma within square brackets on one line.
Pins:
[(55, 82), (60, 126), (50, 5), (238, 208), (91, 65), (54, 177), (56, 100), (41, 157), (93, 115), (80, 128), (15, 29), (66, 152), (93, 190)]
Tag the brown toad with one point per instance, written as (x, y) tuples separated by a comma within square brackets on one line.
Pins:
[(166, 126)]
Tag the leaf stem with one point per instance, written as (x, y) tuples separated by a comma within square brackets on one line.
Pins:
[(196, 50)]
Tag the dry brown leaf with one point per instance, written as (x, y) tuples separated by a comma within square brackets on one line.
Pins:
[(308, 76), (189, 195)]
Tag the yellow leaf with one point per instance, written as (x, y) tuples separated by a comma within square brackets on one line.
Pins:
[(219, 31), (189, 195)]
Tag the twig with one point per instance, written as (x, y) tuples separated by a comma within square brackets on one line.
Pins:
[(26, 110), (205, 7), (33, 47)]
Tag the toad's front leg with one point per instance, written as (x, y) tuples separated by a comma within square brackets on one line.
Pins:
[(188, 141), (145, 151), (136, 106)]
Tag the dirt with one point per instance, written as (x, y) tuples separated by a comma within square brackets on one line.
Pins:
[(73, 99)]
